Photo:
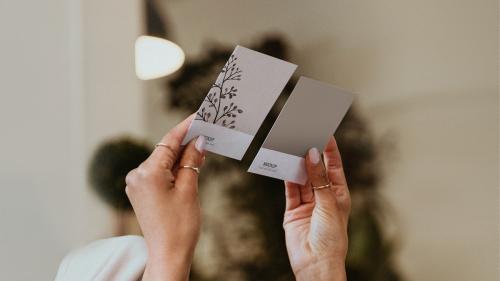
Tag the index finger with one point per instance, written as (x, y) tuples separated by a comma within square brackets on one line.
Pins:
[(333, 163), (166, 155)]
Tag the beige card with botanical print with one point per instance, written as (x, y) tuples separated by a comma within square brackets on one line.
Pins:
[(239, 100)]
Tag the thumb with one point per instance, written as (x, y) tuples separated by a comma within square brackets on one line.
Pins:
[(319, 181), (191, 160)]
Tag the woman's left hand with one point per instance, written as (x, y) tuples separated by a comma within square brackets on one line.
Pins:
[(165, 201), (315, 221)]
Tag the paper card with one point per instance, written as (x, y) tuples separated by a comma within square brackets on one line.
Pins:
[(309, 118), (239, 100)]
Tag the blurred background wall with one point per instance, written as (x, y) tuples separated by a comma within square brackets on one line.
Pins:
[(426, 74), (64, 64)]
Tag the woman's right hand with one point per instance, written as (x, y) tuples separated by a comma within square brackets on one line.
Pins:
[(315, 221), (163, 191)]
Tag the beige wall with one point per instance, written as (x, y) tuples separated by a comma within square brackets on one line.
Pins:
[(63, 66), (426, 74)]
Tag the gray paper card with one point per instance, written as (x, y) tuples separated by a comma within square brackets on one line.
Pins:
[(239, 100), (310, 116)]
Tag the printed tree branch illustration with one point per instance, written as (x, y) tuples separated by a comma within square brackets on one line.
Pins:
[(211, 111)]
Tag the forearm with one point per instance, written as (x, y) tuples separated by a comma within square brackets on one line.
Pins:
[(325, 270)]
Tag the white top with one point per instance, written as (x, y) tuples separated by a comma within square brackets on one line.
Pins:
[(119, 258)]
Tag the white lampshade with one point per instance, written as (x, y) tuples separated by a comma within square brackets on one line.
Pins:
[(156, 57)]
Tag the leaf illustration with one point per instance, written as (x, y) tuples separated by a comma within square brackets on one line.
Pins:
[(225, 87)]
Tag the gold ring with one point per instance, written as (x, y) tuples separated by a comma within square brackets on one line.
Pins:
[(162, 144), (321, 186), (196, 169)]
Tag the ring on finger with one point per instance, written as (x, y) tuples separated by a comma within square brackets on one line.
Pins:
[(321, 186), (196, 169), (162, 144)]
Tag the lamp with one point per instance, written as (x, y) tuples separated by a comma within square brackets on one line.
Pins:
[(156, 56)]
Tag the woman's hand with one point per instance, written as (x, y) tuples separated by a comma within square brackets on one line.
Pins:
[(165, 201), (315, 221)]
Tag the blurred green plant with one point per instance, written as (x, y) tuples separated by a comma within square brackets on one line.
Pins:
[(109, 166)]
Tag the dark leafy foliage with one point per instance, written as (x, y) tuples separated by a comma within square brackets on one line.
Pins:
[(110, 165)]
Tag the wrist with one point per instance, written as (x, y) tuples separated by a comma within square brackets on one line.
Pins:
[(325, 269), (167, 267)]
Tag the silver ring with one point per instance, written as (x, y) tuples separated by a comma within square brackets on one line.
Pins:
[(196, 169), (162, 144), (321, 186)]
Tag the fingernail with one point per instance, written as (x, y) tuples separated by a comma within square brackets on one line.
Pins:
[(314, 155), (200, 144)]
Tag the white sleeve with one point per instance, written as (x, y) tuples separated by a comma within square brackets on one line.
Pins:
[(119, 258)]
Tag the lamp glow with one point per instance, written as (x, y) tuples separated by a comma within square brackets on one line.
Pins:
[(156, 57)]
